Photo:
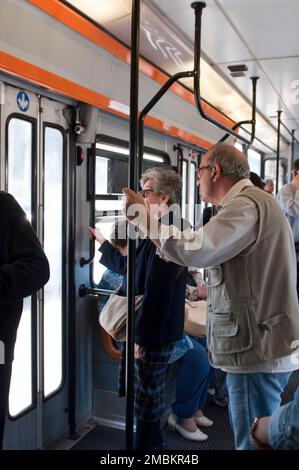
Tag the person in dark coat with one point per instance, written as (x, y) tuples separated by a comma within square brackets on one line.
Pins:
[(160, 321), (24, 269)]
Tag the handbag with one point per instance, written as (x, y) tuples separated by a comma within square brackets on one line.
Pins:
[(195, 317), (113, 317)]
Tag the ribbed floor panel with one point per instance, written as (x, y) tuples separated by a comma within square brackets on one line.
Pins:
[(220, 434)]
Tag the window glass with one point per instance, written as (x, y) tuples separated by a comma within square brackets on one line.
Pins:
[(238, 146), (270, 172), (19, 162), (53, 242), (192, 188), (105, 225), (111, 176), (184, 189), (19, 185), (254, 160), (20, 392)]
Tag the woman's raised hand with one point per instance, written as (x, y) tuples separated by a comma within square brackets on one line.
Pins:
[(97, 234)]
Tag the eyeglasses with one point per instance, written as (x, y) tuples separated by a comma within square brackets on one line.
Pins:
[(144, 192), (200, 168)]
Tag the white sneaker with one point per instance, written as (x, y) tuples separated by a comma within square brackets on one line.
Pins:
[(197, 435), (191, 435), (203, 421)]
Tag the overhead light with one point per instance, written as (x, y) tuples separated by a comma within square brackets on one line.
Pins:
[(125, 151), (113, 148), (153, 158), (103, 11)]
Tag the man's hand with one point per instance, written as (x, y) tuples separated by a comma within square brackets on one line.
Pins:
[(201, 292), (97, 234), (137, 214), (135, 210), (131, 198)]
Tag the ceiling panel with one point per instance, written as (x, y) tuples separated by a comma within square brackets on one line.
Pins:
[(268, 26), (259, 33)]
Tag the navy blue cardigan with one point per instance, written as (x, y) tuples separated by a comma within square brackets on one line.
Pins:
[(161, 318)]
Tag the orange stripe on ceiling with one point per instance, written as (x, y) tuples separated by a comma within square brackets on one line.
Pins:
[(73, 20), (54, 82), (167, 128)]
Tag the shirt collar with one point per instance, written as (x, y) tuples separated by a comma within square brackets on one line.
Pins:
[(234, 191)]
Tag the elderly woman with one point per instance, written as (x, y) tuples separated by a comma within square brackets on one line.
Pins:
[(160, 321)]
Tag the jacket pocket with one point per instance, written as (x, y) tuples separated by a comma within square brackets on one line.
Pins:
[(273, 321), (229, 330), (215, 276)]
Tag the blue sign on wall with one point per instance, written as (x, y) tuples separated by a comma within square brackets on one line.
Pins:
[(23, 101)]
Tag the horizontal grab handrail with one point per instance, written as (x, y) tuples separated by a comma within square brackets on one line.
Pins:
[(84, 290)]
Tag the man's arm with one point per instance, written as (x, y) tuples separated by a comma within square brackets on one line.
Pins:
[(284, 426), (24, 267), (227, 234)]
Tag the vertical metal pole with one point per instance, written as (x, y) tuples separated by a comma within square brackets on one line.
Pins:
[(135, 28), (38, 198), (71, 287), (293, 147), (278, 148)]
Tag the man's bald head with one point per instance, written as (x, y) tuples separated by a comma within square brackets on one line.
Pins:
[(233, 163)]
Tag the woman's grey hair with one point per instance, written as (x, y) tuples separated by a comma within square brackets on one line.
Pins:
[(232, 162), (164, 182)]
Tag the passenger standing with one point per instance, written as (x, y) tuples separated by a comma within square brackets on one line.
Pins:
[(159, 322), (256, 180), (251, 326), (269, 186), (24, 269), (288, 199)]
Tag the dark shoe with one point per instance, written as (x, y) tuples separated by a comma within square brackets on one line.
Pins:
[(220, 401)]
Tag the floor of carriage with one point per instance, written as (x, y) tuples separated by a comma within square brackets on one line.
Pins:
[(220, 435)]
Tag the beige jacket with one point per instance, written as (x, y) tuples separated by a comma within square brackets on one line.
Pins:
[(253, 314)]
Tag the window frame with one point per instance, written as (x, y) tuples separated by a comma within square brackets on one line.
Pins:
[(33, 122), (63, 250)]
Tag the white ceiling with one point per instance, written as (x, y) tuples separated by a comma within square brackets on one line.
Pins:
[(258, 33)]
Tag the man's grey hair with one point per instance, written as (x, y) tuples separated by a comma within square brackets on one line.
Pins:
[(164, 182), (232, 162)]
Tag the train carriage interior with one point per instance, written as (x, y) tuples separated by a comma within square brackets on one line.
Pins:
[(69, 98)]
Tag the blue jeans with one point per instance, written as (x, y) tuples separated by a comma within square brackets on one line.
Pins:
[(193, 380), (251, 395)]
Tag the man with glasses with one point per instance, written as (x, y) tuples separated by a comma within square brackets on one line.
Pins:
[(249, 249), (288, 199)]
